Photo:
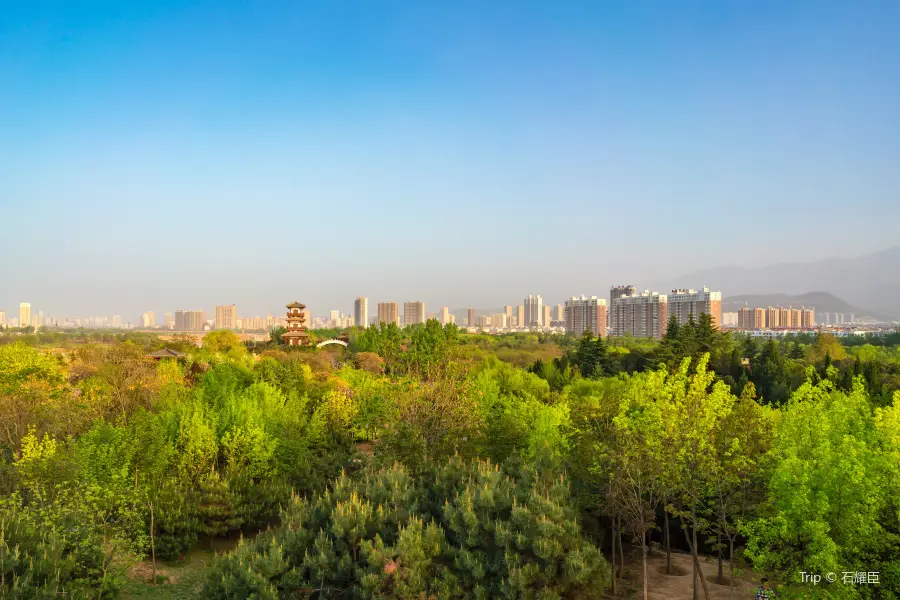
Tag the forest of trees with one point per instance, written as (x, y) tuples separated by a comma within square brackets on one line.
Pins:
[(429, 463)]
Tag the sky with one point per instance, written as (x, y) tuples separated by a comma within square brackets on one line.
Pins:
[(176, 155)]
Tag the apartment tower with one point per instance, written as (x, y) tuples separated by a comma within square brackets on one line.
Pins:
[(388, 312), (361, 312), (24, 314), (413, 313), (642, 315), (684, 304), (534, 311), (226, 317), (582, 314)]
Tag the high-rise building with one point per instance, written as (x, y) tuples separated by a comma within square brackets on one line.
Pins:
[(773, 318), (2, 318), (534, 311), (684, 304), (508, 311), (548, 316), (484, 322), (498, 321), (413, 313), (583, 314), (226, 316), (471, 317), (759, 318), (561, 312), (520, 316), (361, 311), (729, 319), (186, 320), (24, 314), (617, 292), (148, 319), (784, 317), (808, 318), (445, 315), (388, 312), (170, 321), (642, 315)]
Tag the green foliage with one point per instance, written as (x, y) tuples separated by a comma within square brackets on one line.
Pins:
[(478, 534), (829, 489), (806, 476)]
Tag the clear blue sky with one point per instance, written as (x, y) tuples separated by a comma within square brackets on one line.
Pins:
[(163, 155)]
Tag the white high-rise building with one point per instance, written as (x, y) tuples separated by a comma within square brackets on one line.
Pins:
[(2, 318), (445, 315), (361, 312), (24, 314), (642, 315), (534, 311)]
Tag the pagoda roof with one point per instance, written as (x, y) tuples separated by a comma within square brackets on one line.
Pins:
[(295, 305), (166, 353)]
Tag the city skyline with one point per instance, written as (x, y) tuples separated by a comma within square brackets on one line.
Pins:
[(432, 120), (681, 302)]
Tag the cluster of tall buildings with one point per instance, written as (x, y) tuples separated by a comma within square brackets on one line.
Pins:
[(628, 312), (776, 317), (413, 313), (28, 317), (647, 313)]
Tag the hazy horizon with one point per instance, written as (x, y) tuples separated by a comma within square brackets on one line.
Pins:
[(168, 155)]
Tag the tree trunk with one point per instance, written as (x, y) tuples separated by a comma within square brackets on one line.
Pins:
[(621, 551), (644, 558), (721, 574), (613, 535), (696, 562), (153, 542), (668, 545), (730, 567)]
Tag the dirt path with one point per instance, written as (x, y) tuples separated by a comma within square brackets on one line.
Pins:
[(677, 586)]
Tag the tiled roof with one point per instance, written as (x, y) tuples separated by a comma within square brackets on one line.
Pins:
[(166, 353)]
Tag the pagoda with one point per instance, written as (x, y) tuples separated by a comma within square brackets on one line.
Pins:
[(296, 326)]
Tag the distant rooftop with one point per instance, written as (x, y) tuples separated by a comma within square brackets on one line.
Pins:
[(166, 353)]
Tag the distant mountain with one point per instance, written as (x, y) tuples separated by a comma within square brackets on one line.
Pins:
[(871, 282), (821, 301)]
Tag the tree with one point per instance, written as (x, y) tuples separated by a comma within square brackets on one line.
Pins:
[(464, 530), (634, 460), (692, 411), (222, 340), (741, 440), (769, 375), (33, 392), (276, 333), (591, 355), (827, 491)]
